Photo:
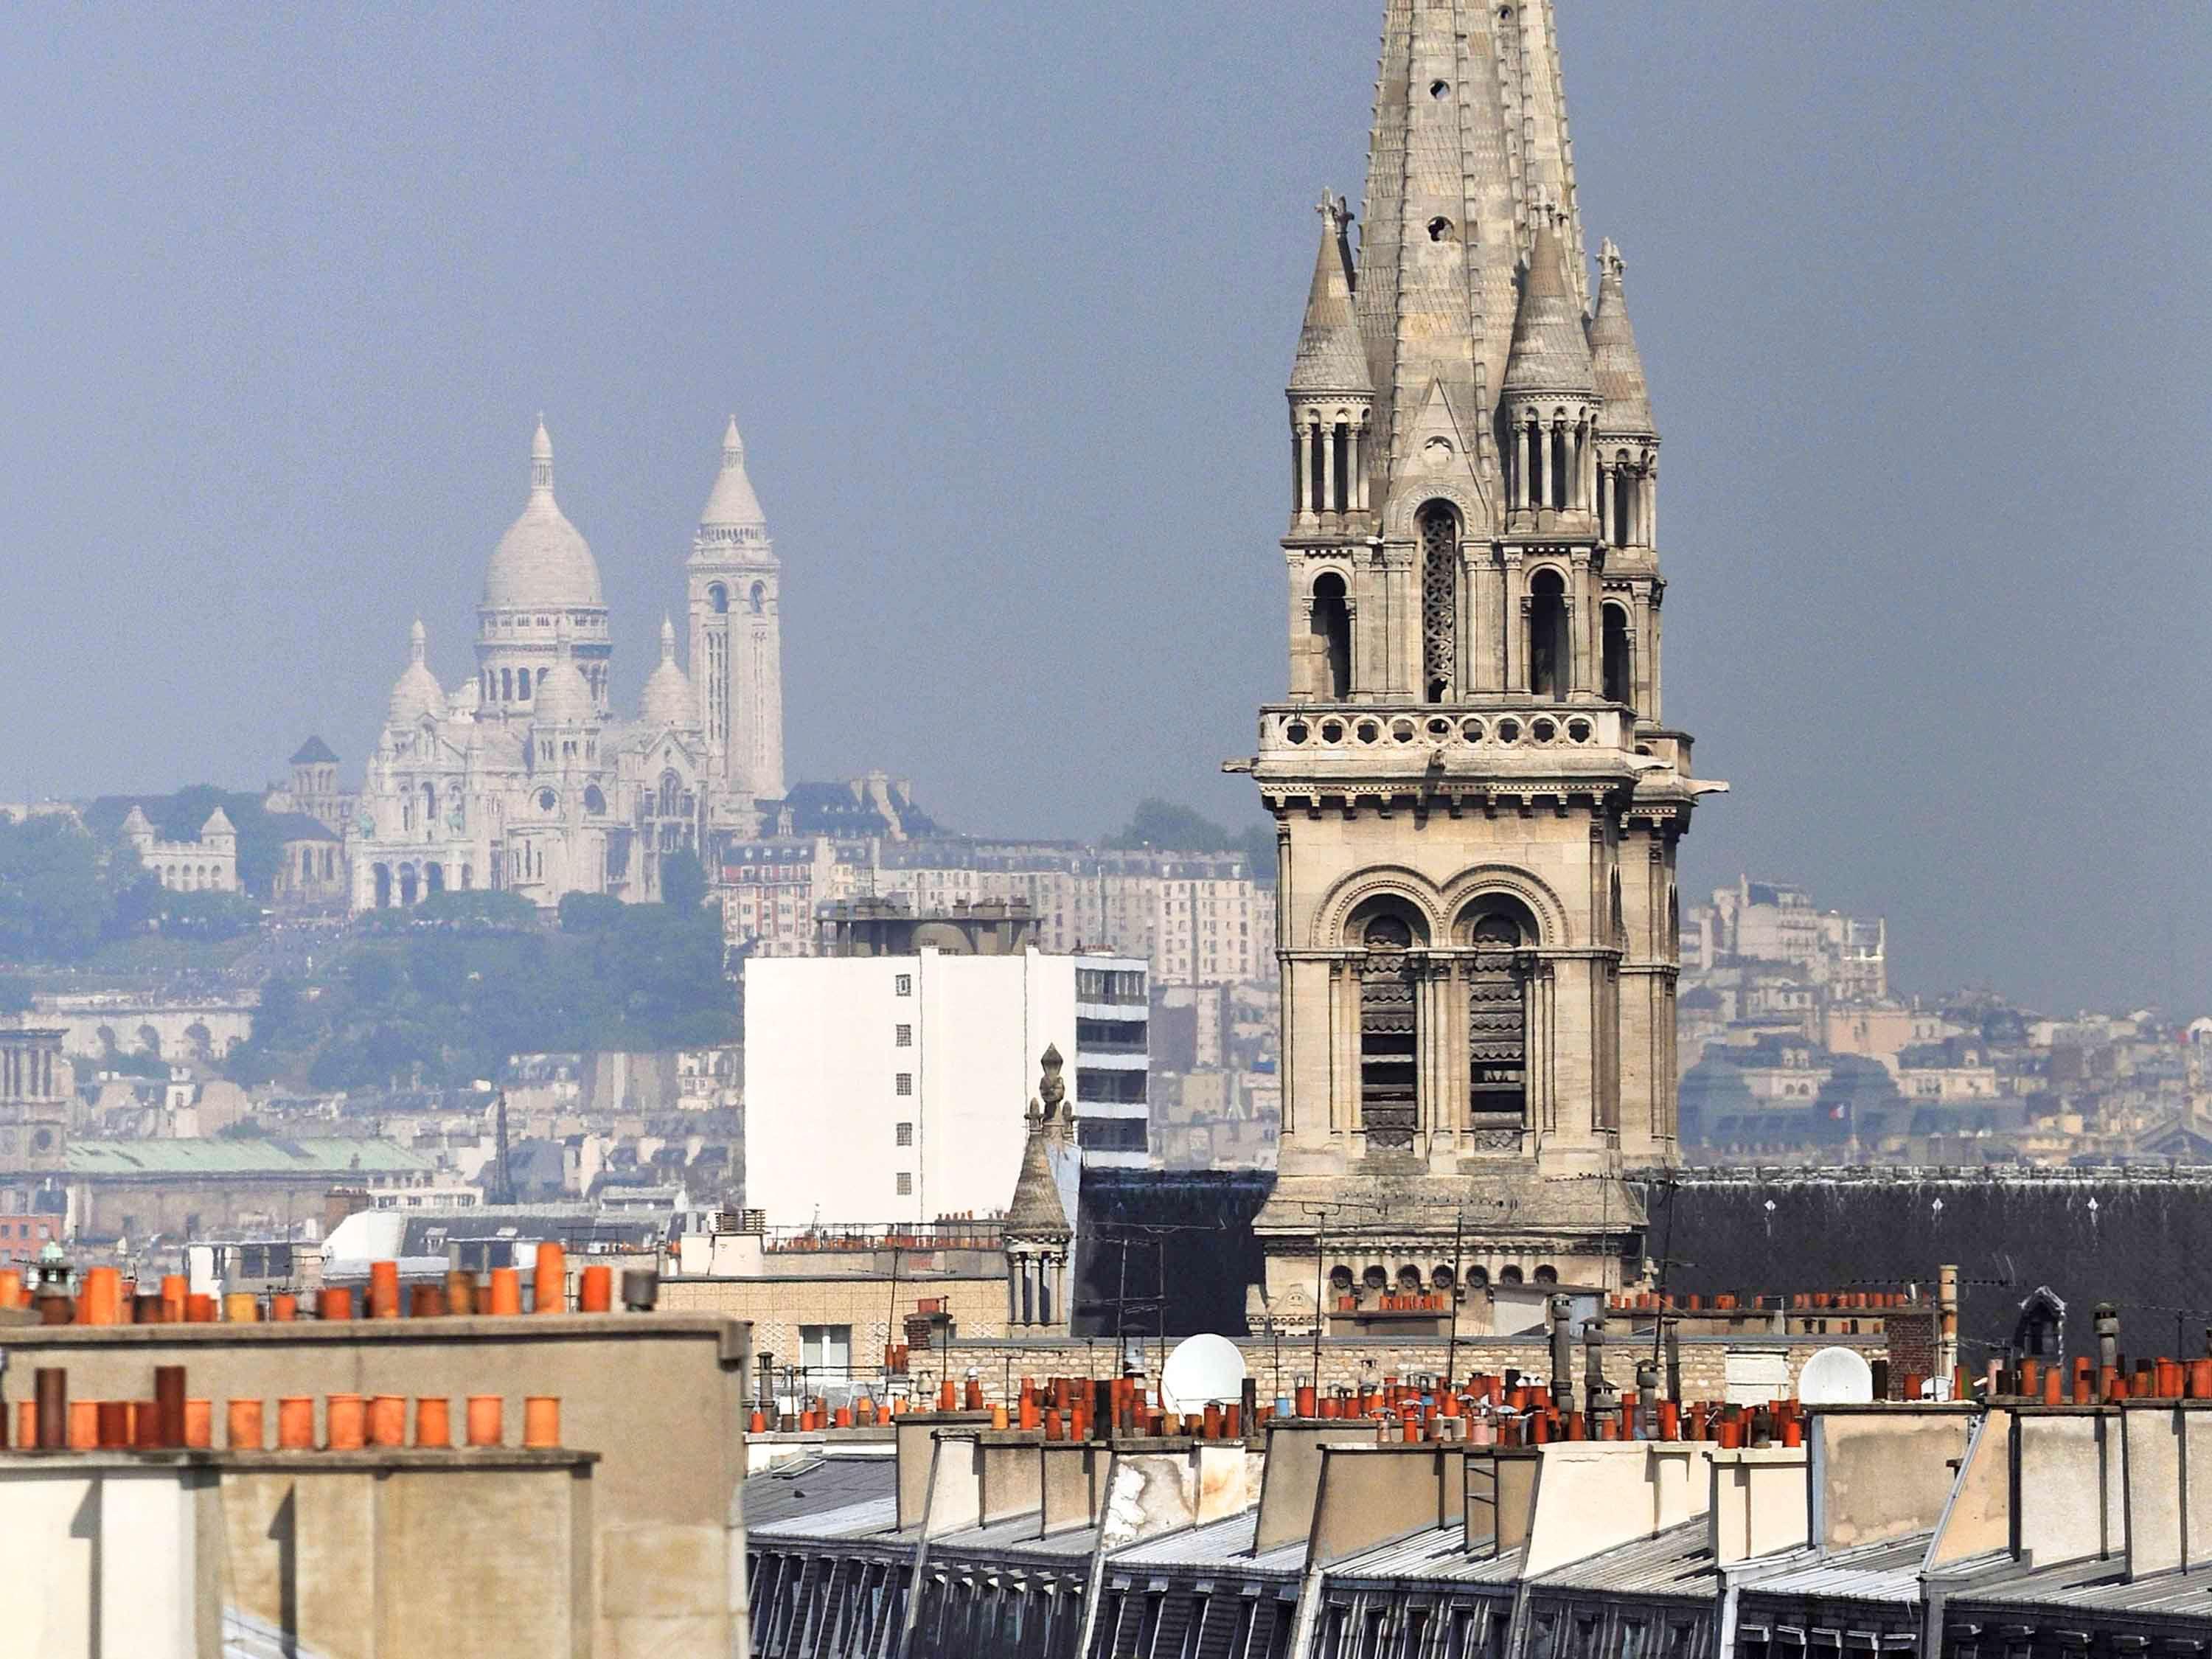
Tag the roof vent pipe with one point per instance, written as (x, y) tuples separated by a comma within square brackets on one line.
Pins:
[(1563, 1358), (641, 1289)]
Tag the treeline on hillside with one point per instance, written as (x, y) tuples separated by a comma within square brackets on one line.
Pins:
[(66, 891), (441, 994), (1168, 827)]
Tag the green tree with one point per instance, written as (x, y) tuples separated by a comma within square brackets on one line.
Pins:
[(206, 916), (54, 904), (1168, 826), (590, 913), (1258, 846), (683, 881)]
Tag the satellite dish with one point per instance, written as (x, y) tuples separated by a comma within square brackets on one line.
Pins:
[(1836, 1376), (1203, 1369)]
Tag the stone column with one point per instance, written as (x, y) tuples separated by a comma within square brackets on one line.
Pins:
[(1514, 636), (1542, 468), (1327, 436), (1581, 610)]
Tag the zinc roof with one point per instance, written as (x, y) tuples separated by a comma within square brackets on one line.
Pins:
[(1889, 1571), (2102, 1585), (839, 1494), (1678, 1561), (1224, 1545), (1017, 1535), (1436, 1554), (256, 1156)]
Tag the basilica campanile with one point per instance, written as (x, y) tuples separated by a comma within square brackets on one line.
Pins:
[(1477, 799)]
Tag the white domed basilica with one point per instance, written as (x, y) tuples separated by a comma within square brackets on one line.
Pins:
[(524, 778)]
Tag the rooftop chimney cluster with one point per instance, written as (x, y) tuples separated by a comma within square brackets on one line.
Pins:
[(105, 1297), (173, 1420)]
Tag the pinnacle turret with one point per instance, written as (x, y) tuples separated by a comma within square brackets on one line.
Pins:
[(1619, 368), (1551, 352), (1331, 355), (732, 504)]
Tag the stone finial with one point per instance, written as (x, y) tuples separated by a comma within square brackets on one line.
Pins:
[(1609, 262), (1051, 1090), (541, 459), (418, 642)]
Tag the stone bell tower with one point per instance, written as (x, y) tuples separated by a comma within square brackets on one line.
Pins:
[(1477, 801)]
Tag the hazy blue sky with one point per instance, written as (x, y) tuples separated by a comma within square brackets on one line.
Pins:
[(1004, 297)]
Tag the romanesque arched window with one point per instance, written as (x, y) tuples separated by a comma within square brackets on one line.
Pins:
[(672, 794), (1619, 674), (1331, 624), (758, 598), (1550, 667), (1386, 931), (1438, 526), (1502, 932), (718, 598)]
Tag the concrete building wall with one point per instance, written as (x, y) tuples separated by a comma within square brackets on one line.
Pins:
[(824, 1061), (660, 1397), (363, 1555), (873, 1310)]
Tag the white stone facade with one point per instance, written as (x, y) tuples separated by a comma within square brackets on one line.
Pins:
[(209, 865), (524, 778)]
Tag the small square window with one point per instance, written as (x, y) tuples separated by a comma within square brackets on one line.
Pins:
[(906, 1135), (906, 1082), (905, 1184), (903, 985), (905, 1038)]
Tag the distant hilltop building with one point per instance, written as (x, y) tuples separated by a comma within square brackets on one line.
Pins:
[(526, 778), (207, 864)]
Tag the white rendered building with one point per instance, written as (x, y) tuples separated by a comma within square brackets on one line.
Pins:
[(890, 1088), (524, 777)]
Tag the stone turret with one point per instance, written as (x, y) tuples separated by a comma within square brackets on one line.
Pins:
[(1627, 435), (1037, 1235)]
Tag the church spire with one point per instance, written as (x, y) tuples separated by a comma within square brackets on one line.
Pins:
[(1470, 135)]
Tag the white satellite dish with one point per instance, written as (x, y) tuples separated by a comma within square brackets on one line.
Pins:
[(1203, 1369), (1836, 1376)]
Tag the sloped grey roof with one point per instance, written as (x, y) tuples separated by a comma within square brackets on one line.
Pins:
[(1676, 1562), (312, 752)]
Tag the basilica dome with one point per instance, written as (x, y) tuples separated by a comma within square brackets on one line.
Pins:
[(415, 695), (542, 560), (667, 701), (564, 697)]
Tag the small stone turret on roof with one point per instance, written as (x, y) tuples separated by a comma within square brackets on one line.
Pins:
[(564, 696), (417, 695), (1550, 351), (666, 701), (136, 826), (218, 824), (1036, 1214), (1615, 359), (1331, 356)]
